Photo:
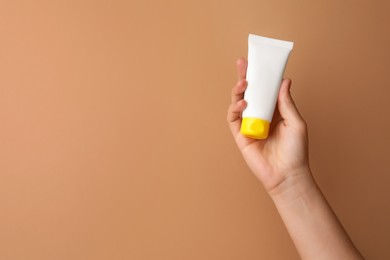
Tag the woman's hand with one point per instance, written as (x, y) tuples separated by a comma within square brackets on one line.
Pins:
[(281, 160)]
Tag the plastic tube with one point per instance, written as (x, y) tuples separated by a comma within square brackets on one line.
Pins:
[(267, 59)]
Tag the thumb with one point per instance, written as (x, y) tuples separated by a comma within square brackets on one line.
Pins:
[(286, 105)]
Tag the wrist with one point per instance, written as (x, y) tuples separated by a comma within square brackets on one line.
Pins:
[(298, 184)]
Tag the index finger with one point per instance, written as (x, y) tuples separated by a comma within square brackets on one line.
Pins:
[(242, 65)]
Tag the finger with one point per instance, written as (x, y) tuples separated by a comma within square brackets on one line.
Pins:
[(286, 105), (235, 110), (275, 119), (242, 65), (234, 116), (238, 91)]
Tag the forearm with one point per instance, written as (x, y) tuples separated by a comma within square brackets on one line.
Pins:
[(310, 221)]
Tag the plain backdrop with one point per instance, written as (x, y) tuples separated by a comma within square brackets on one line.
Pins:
[(113, 135)]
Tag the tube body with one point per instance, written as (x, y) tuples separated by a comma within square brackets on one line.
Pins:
[(267, 59)]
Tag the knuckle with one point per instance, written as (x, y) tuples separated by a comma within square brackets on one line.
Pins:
[(229, 112), (228, 118)]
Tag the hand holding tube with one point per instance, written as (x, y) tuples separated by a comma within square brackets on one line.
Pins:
[(281, 163), (283, 156)]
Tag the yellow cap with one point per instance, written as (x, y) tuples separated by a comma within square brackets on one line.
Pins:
[(255, 127)]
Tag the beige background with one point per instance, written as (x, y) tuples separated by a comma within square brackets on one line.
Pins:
[(113, 140)]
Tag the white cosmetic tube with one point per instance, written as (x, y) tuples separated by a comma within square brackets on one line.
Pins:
[(267, 59)]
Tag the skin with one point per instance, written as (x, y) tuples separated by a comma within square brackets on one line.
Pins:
[(281, 163)]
